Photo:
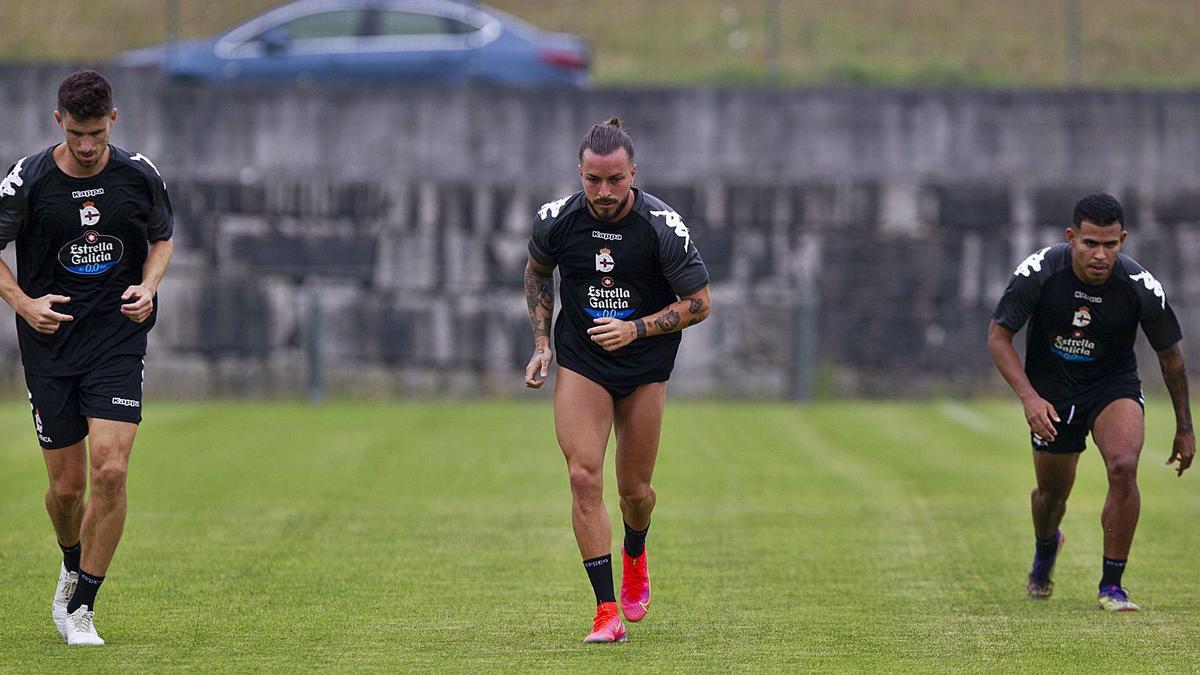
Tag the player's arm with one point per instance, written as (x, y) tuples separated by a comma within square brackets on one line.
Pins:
[(1038, 412), (139, 298), (1174, 373), (37, 312), (689, 310), (539, 297)]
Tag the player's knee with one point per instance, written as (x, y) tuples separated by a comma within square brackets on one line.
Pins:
[(109, 478), (636, 493), (1052, 497), (587, 483), (67, 492), (1122, 470)]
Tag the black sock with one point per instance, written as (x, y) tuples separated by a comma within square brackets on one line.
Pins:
[(599, 571), (85, 592), (71, 557), (635, 540), (1113, 569), (1047, 548)]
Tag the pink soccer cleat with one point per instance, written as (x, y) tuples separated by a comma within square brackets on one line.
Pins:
[(607, 626), (635, 585)]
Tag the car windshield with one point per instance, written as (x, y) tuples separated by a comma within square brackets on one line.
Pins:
[(415, 23), (336, 24)]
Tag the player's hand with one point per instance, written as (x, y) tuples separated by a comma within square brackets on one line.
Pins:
[(38, 313), (539, 367), (1041, 417), (612, 334), (138, 303), (1183, 450)]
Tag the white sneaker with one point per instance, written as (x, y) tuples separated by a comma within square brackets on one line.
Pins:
[(62, 595), (80, 629)]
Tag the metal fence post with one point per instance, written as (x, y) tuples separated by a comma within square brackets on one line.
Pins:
[(314, 348), (804, 345), (1074, 36), (774, 41)]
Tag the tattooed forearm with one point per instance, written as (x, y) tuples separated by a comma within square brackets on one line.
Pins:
[(667, 322), (680, 314), (540, 300)]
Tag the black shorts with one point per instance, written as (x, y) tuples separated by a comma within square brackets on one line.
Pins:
[(617, 390), (1079, 414), (61, 405)]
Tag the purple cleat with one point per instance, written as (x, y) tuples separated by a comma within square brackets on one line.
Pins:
[(1040, 586), (1113, 598)]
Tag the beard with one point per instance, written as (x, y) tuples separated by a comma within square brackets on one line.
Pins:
[(608, 211)]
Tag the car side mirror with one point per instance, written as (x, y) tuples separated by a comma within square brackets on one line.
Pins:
[(276, 40)]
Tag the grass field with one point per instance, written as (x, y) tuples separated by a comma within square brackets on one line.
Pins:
[(828, 537), (973, 42)]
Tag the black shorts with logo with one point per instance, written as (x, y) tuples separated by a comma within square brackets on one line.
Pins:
[(1078, 415), (61, 405)]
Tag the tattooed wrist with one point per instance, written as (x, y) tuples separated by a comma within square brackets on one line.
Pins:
[(640, 325)]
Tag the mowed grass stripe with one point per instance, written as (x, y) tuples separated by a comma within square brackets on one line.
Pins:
[(380, 536)]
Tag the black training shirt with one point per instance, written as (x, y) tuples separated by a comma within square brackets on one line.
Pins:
[(87, 239), (1082, 335), (628, 270)]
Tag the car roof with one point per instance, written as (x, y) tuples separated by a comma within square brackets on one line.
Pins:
[(487, 19)]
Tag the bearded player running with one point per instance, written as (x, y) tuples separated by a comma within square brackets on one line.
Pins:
[(630, 281)]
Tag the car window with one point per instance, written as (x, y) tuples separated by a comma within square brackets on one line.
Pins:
[(340, 23), (415, 23)]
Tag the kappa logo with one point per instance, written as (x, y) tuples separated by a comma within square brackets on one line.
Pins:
[(8, 186), (551, 209), (1151, 285), (606, 236), (89, 215), (675, 222), (1082, 317), (604, 261), (84, 194), (127, 402), (1032, 264)]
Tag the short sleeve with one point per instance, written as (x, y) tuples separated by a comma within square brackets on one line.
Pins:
[(1021, 296), (540, 247), (13, 203), (162, 216), (677, 256), (1156, 316)]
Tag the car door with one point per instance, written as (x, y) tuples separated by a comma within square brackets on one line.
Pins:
[(412, 45), (312, 46)]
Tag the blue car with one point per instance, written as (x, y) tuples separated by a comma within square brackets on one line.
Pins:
[(425, 41)]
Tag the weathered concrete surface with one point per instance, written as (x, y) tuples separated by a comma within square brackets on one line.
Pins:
[(405, 212)]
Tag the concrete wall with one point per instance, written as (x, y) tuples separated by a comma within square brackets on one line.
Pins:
[(404, 214)]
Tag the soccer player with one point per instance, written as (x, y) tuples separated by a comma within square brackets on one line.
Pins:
[(630, 281), (1084, 300), (92, 226)]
